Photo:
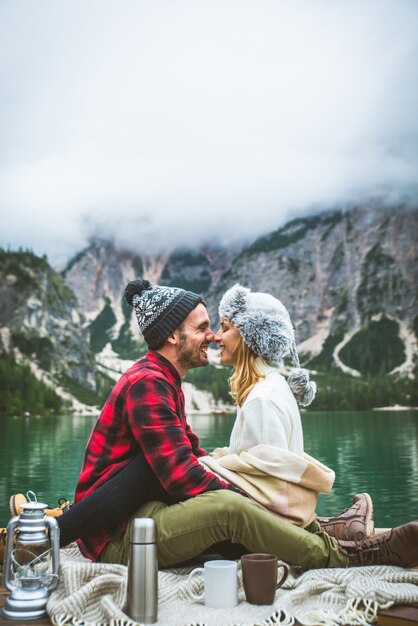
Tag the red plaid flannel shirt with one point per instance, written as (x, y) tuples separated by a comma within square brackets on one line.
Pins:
[(144, 412)]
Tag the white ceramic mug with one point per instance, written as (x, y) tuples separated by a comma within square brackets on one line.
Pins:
[(220, 584)]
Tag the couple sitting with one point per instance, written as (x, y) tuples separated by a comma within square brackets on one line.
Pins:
[(259, 494)]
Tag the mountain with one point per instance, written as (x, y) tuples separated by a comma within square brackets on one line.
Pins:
[(349, 281), (348, 278), (43, 332), (343, 275)]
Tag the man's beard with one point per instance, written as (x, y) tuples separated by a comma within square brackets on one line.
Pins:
[(188, 358)]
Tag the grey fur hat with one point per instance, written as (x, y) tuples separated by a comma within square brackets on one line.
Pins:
[(266, 327)]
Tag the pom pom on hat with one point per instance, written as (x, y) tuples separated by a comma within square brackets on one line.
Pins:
[(135, 287), (303, 389)]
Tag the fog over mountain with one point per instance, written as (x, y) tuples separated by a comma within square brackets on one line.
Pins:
[(161, 124), (348, 279)]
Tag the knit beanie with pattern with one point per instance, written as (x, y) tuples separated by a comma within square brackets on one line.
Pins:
[(265, 325), (159, 310)]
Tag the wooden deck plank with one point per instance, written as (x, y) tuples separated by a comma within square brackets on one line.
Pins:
[(44, 621)]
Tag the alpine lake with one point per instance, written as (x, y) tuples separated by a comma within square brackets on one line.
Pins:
[(373, 451)]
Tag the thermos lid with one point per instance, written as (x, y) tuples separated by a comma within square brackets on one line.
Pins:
[(143, 530)]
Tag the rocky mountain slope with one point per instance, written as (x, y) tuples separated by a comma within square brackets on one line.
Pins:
[(348, 278), (41, 326), (339, 273)]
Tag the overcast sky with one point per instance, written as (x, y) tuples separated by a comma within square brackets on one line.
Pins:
[(176, 122)]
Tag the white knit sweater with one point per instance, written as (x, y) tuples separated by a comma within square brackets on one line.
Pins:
[(269, 415)]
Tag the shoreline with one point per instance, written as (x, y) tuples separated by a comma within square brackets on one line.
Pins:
[(395, 407)]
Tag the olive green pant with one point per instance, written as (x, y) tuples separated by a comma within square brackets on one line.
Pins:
[(188, 528)]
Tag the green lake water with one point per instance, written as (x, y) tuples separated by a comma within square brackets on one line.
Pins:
[(375, 451)]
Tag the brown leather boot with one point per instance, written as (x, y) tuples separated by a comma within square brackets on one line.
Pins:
[(16, 501), (3, 535), (352, 524), (398, 546)]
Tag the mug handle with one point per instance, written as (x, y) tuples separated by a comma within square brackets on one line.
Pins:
[(285, 573), (192, 594)]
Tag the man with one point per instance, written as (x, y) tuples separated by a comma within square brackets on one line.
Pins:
[(141, 447)]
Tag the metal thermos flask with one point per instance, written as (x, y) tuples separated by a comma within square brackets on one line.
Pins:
[(143, 571)]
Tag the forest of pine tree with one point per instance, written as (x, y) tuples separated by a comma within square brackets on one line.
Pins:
[(336, 391), (23, 393)]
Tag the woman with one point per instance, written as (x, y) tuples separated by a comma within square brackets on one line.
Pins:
[(255, 336), (266, 457)]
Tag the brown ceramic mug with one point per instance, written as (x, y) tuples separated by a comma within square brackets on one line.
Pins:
[(259, 577)]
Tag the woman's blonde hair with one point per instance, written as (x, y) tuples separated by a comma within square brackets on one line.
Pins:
[(245, 375)]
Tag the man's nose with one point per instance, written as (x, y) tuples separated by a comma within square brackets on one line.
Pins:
[(216, 336), (210, 336)]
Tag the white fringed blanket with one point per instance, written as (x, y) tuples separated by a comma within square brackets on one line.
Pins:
[(94, 593)]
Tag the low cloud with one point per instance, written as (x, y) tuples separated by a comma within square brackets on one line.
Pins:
[(163, 124)]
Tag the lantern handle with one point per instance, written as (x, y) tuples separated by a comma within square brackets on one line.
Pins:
[(31, 496), (54, 536), (11, 527)]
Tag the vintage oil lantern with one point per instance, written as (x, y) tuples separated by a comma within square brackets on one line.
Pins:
[(31, 562)]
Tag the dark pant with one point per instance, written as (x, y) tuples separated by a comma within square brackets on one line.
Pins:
[(113, 502)]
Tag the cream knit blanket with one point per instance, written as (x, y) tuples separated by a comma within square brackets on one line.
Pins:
[(95, 594), (283, 482)]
